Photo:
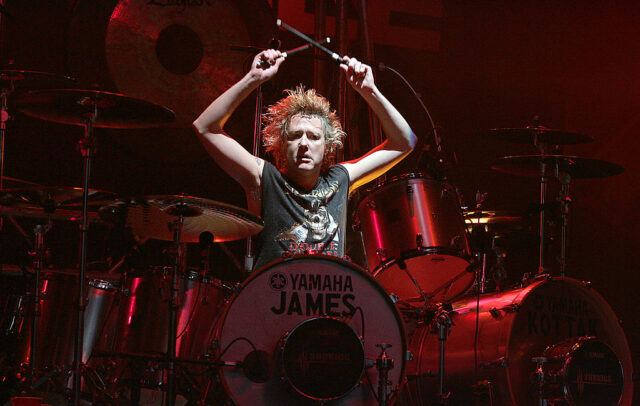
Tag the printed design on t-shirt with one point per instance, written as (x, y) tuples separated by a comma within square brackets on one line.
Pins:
[(318, 224)]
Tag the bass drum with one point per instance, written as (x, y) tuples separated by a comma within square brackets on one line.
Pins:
[(415, 238), (306, 330), (514, 328)]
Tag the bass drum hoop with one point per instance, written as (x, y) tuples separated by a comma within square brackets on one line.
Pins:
[(396, 375)]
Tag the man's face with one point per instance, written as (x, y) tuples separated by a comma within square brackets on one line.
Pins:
[(304, 144)]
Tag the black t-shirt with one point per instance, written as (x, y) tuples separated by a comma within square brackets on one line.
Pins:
[(301, 222)]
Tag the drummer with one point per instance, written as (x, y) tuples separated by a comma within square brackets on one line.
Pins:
[(302, 199)]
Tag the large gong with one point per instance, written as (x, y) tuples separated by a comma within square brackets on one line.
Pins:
[(174, 53)]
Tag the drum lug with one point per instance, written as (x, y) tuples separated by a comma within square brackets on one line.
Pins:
[(408, 356), (394, 298), (382, 256), (587, 284), (512, 308)]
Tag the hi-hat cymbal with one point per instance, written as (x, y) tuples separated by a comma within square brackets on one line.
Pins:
[(72, 106), (491, 217), (156, 216), (51, 198), (12, 79), (538, 135), (576, 167)]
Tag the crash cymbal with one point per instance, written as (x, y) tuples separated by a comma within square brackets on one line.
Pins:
[(52, 198), (154, 217), (576, 167), (72, 106), (12, 79), (538, 135)]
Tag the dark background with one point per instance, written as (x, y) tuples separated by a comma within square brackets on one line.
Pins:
[(489, 64)]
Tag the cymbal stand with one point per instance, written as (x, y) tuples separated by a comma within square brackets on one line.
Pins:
[(543, 199), (565, 208), (39, 254), (173, 305), (86, 145), (257, 127)]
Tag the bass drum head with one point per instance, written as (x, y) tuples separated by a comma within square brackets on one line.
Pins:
[(298, 311), (590, 372), (440, 275)]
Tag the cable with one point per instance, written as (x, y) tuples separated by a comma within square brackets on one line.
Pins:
[(193, 310)]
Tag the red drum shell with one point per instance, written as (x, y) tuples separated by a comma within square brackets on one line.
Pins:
[(409, 214), (265, 310), (514, 327)]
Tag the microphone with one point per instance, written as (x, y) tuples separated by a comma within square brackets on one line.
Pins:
[(257, 366)]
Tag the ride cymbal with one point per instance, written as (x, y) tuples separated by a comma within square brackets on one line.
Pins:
[(73, 106), (13, 79)]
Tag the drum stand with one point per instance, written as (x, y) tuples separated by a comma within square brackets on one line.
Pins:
[(383, 364), (443, 325), (86, 145)]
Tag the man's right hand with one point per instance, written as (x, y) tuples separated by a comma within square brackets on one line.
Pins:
[(265, 65)]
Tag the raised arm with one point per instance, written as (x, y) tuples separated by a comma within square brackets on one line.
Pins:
[(400, 138), (232, 157)]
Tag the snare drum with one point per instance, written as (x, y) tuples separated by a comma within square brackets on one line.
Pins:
[(305, 329), (540, 322), (415, 238)]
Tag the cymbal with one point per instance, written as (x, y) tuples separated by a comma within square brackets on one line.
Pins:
[(491, 217), (576, 167), (536, 135), (71, 106), (12, 79), (52, 198), (154, 217), (18, 181)]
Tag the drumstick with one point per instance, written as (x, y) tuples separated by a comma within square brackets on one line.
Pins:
[(265, 64), (313, 43)]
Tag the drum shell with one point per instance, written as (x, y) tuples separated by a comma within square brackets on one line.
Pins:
[(57, 322), (395, 215), (514, 327), (250, 314), (142, 322)]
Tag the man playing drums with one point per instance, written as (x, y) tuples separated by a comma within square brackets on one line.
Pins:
[(302, 199)]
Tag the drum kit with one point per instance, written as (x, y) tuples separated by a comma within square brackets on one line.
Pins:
[(308, 329)]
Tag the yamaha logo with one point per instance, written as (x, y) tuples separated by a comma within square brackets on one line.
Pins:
[(277, 281)]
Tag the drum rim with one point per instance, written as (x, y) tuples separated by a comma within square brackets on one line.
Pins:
[(578, 342), (423, 251), (402, 177), (220, 322)]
